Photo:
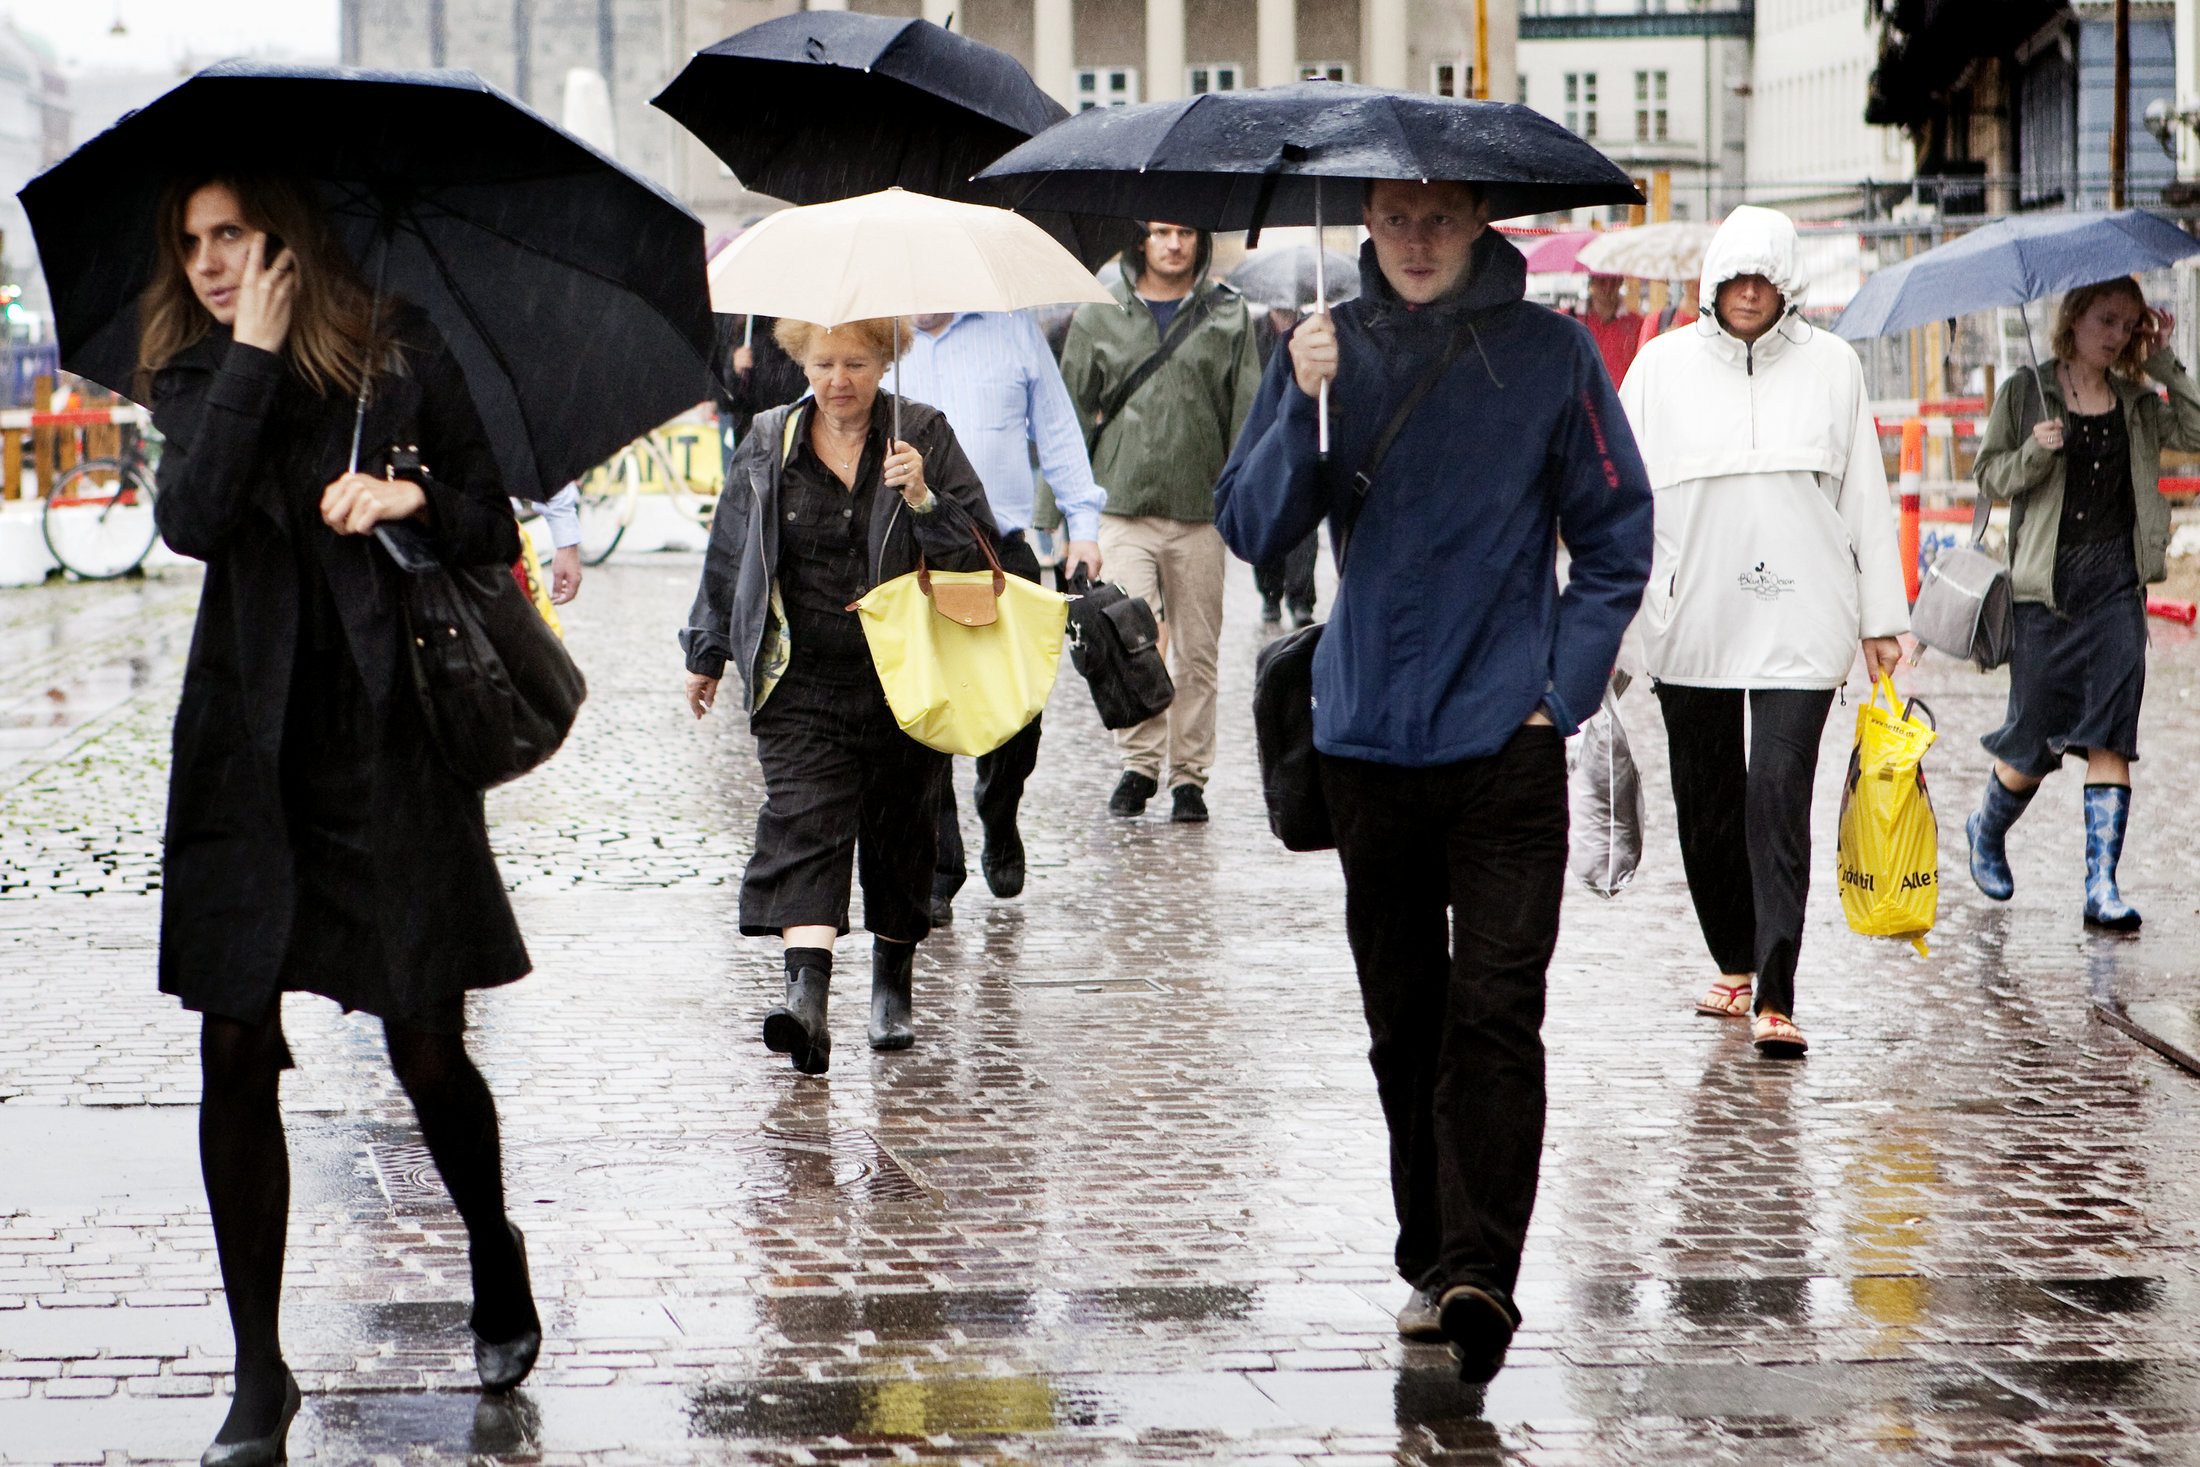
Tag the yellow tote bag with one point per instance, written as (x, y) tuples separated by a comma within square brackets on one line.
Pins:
[(1889, 855), (967, 658)]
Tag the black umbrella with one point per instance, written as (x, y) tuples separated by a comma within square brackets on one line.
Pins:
[(1238, 160), (825, 105), (571, 291)]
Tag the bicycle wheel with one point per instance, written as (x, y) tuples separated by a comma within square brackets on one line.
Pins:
[(98, 520), (606, 511)]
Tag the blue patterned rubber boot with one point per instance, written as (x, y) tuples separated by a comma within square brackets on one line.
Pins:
[(2107, 813), (1988, 829)]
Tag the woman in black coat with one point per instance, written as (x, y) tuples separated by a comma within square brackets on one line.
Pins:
[(822, 504), (315, 841)]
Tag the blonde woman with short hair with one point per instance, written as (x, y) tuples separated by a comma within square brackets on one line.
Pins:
[(821, 504)]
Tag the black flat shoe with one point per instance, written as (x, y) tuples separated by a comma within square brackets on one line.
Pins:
[(260, 1451), (1190, 805), (503, 1366), (1132, 792), (1479, 1328)]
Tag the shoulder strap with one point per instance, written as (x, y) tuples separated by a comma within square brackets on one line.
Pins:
[(1365, 478), (1187, 320)]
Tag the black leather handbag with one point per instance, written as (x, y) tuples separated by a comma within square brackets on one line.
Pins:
[(1115, 643), (497, 688), (1283, 673)]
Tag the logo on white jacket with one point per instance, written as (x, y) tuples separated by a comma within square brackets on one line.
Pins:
[(1763, 584)]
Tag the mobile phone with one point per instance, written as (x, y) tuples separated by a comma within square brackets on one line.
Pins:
[(272, 248)]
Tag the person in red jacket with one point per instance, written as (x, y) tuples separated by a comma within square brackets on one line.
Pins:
[(1618, 333)]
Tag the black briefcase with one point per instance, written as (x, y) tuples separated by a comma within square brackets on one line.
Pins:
[(1115, 643), (1283, 727)]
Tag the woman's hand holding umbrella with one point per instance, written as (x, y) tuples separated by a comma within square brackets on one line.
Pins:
[(905, 473)]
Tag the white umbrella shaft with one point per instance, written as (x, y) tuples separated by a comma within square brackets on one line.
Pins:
[(1321, 304)]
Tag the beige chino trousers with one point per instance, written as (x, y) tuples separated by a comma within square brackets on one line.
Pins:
[(1177, 565)]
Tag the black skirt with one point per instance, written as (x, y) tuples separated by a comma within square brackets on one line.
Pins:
[(2078, 671)]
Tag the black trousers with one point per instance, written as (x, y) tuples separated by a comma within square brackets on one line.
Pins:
[(1455, 1012), (1001, 774), (1745, 822), (843, 787), (1289, 578)]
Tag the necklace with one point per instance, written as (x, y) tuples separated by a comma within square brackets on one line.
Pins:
[(848, 461)]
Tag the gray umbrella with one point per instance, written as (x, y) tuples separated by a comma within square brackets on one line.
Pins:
[(1284, 278)]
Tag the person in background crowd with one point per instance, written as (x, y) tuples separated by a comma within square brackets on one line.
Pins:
[(993, 377), (1451, 670), (821, 506), (561, 516), (750, 373), (1288, 579), (2077, 452), (316, 841), (1677, 314), (1158, 451), (1776, 563), (1618, 333)]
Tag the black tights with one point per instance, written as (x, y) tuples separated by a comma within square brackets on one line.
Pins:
[(247, 1169)]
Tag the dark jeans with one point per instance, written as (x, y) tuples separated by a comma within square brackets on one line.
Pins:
[(1001, 774), (1455, 1013), (1289, 578), (1745, 822)]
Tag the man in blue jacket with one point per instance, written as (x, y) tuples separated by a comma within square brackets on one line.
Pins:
[(1451, 670)]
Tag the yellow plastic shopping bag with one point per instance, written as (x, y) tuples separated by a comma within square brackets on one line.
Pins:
[(967, 658), (1889, 856)]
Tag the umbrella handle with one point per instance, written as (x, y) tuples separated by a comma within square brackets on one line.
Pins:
[(366, 374)]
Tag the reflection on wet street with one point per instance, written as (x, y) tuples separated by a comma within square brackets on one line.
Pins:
[(1126, 1200)]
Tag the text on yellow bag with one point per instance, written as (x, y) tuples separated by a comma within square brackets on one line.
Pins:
[(1889, 854)]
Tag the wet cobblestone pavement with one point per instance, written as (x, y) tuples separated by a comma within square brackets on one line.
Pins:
[(1125, 1201)]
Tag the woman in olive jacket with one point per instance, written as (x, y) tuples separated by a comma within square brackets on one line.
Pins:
[(315, 841), (2076, 450)]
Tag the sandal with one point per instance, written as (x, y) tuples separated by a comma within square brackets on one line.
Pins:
[(1725, 1001), (1776, 1037)]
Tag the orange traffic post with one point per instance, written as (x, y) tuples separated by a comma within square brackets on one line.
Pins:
[(1913, 497)]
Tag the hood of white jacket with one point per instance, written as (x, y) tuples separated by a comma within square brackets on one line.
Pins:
[(1755, 241)]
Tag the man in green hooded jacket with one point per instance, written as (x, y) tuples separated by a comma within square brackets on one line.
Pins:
[(1159, 437)]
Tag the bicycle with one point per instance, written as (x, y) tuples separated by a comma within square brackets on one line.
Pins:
[(611, 495), (98, 520)]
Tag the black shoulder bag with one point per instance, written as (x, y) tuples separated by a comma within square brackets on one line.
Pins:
[(497, 689), (1115, 643), (1186, 322), (1283, 674)]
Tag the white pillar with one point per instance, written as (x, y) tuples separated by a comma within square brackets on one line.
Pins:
[(1504, 24), (1164, 50), (2186, 44), (942, 12), (1278, 42), (1382, 42), (1054, 50), (825, 5)]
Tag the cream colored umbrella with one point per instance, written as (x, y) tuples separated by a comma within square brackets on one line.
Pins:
[(895, 254), (1670, 251)]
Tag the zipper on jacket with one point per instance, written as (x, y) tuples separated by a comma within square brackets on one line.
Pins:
[(1749, 370)]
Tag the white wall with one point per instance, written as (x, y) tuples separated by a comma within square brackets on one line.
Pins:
[(1807, 134), (1686, 147)]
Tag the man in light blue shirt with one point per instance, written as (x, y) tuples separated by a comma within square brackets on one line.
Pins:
[(993, 376)]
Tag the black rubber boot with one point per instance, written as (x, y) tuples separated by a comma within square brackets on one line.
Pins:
[(797, 1027), (893, 981)]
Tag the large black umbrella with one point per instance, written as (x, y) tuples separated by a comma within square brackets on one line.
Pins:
[(826, 105), (571, 291), (1238, 160)]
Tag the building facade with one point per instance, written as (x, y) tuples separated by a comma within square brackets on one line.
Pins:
[(1811, 151), (1658, 86)]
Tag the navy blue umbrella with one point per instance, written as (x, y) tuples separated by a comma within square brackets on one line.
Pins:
[(571, 291), (2010, 263)]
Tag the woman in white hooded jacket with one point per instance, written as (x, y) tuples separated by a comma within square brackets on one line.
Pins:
[(1776, 560)]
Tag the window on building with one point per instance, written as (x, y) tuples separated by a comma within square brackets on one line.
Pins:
[(1581, 103), (1336, 71), (1452, 78), (1651, 119), (1213, 76), (1106, 86)]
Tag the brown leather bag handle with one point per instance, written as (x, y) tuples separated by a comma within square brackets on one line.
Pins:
[(968, 606)]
